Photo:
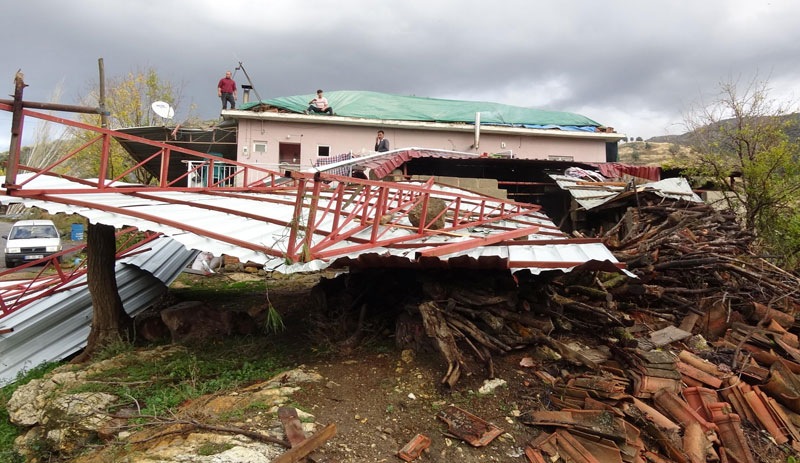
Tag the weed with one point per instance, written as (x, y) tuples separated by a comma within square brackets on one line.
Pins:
[(274, 323), (258, 406), (213, 448), (114, 349)]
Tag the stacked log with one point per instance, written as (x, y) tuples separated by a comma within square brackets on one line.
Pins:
[(686, 254)]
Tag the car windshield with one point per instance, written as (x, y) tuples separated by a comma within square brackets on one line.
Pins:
[(33, 231)]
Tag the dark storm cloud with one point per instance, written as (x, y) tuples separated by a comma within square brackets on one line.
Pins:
[(636, 66)]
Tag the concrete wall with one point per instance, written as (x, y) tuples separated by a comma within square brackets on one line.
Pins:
[(270, 135)]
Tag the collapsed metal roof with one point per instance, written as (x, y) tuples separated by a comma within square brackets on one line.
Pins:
[(312, 226), (592, 193), (63, 318), (304, 222)]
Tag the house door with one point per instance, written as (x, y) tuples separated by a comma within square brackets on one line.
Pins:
[(289, 155)]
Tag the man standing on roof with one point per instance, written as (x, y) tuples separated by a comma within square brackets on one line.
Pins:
[(319, 105), (226, 90), (381, 144)]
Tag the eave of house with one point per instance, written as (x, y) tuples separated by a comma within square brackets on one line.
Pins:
[(419, 125)]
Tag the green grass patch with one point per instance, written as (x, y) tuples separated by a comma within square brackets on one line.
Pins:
[(213, 448), (157, 385)]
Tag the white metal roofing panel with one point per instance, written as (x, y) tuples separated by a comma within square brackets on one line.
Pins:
[(586, 195), (590, 196), (675, 188), (250, 217), (57, 326)]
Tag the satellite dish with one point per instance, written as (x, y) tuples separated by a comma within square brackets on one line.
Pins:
[(163, 109)]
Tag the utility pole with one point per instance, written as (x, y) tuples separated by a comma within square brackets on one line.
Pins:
[(16, 131), (102, 101)]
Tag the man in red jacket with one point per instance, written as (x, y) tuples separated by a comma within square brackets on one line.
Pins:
[(226, 90)]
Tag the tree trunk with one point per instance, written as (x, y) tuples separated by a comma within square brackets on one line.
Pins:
[(110, 322)]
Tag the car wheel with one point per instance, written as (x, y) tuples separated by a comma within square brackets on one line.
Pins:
[(9, 264)]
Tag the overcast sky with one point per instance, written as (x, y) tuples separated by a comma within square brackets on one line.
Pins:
[(637, 66)]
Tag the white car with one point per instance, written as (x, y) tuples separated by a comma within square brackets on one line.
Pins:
[(31, 240)]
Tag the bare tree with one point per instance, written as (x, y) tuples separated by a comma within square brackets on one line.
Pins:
[(743, 146), (128, 100)]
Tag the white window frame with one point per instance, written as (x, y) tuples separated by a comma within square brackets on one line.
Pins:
[(259, 144)]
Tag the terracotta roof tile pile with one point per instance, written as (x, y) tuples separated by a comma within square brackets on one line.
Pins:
[(710, 352), (695, 360)]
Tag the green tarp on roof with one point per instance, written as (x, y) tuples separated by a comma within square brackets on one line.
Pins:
[(373, 105)]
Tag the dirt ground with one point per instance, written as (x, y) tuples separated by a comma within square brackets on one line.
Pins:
[(380, 396), (380, 401)]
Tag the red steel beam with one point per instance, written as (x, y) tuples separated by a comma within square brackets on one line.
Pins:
[(165, 221), (164, 147), (477, 242)]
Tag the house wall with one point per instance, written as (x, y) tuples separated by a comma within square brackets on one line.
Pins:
[(361, 139)]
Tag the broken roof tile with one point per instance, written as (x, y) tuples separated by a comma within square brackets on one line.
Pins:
[(698, 375), (600, 423), (655, 416), (756, 401), (784, 386), (701, 364), (414, 448), (733, 439), (676, 408), (474, 430)]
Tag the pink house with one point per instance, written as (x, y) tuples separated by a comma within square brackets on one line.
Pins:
[(277, 134)]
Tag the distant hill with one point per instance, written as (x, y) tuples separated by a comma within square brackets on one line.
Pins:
[(650, 153), (671, 149), (793, 131)]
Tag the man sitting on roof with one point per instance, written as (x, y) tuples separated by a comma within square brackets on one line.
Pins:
[(319, 105)]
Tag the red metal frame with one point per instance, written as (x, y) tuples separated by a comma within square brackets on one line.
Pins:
[(315, 201), (353, 206), (50, 277)]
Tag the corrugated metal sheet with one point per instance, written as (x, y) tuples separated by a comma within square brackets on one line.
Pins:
[(57, 326), (617, 170), (593, 194), (262, 219)]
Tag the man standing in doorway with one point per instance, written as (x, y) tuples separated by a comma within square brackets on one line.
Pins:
[(226, 90), (381, 144)]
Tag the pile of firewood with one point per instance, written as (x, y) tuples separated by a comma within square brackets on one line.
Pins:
[(686, 253)]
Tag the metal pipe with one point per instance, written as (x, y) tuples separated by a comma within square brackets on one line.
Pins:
[(56, 107), (477, 131)]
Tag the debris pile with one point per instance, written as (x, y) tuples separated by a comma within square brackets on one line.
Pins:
[(697, 359)]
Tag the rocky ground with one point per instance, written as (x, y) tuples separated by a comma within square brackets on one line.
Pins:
[(378, 397)]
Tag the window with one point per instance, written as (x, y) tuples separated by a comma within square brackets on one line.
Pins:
[(561, 158), (323, 150), (259, 147)]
